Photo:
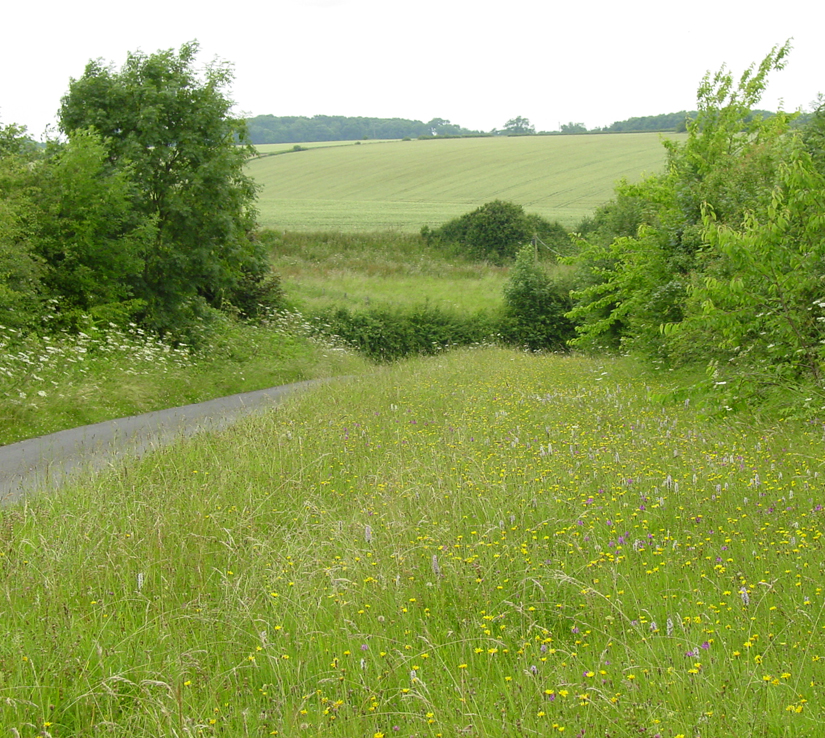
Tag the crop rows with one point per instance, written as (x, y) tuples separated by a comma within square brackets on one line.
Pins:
[(404, 185)]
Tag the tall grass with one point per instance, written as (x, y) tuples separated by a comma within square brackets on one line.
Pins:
[(485, 543), (50, 383), (361, 270)]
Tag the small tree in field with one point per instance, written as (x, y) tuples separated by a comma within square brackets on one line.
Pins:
[(535, 306)]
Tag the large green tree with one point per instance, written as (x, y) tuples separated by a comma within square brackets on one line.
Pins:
[(171, 124)]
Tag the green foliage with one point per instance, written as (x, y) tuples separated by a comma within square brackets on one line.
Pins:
[(170, 124), (551, 237), (496, 231), (15, 142), (519, 126), (662, 122), (719, 259), (728, 164), (626, 283), (761, 297), (21, 293), (143, 213), (255, 294), (535, 306), (388, 334), (814, 136), (568, 128), (90, 237), (265, 129)]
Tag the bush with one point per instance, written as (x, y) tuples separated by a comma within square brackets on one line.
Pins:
[(535, 306), (553, 238), (496, 231), (255, 295), (388, 334)]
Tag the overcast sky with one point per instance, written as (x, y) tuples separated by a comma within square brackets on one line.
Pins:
[(472, 62)]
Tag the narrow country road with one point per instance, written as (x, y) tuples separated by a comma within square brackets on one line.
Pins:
[(40, 463)]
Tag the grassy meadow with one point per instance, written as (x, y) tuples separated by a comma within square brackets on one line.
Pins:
[(485, 543), (359, 270), (404, 185)]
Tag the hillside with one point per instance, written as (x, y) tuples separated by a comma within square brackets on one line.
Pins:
[(403, 185)]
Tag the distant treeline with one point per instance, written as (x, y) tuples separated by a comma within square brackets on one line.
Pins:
[(264, 129), (663, 122), (677, 122)]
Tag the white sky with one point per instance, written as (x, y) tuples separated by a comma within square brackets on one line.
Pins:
[(474, 62)]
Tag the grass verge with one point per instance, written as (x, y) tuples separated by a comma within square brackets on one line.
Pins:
[(49, 384)]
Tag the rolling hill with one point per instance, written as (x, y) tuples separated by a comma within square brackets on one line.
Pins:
[(403, 185)]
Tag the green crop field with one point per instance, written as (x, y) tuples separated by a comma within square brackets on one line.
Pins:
[(265, 150), (403, 185)]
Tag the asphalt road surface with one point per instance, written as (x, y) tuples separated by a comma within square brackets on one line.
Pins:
[(44, 462)]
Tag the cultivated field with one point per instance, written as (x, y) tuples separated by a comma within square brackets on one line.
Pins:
[(403, 185), (483, 544), (265, 150)]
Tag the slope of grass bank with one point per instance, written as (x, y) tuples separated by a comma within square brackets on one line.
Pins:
[(50, 384), (486, 543)]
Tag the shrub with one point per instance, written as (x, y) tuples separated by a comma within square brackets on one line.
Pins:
[(535, 306), (496, 231), (255, 295), (388, 334)]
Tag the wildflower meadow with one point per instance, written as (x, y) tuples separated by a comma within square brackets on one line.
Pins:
[(483, 543)]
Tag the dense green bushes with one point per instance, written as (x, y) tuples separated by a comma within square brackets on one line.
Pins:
[(496, 231), (142, 213), (387, 334), (719, 260)]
